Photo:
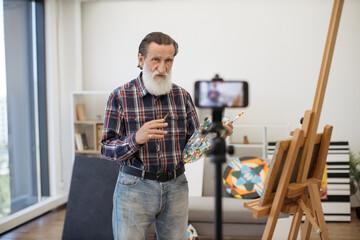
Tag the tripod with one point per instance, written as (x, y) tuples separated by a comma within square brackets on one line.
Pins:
[(217, 156)]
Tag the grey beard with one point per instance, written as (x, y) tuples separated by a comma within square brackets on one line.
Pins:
[(155, 86)]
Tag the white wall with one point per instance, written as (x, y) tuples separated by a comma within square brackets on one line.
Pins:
[(63, 73), (276, 46)]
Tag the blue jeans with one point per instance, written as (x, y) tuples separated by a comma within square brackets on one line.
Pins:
[(137, 203)]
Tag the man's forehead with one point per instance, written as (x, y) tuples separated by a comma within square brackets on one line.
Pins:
[(160, 50)]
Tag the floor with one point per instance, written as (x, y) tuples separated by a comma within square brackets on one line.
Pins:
[(50, 225), (46, 227)]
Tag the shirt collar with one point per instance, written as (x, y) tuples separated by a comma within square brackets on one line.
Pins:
[(142, 88)]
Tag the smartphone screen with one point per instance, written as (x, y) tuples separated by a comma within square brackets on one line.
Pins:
[(230, 94)]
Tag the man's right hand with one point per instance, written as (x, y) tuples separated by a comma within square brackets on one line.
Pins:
[(151, 130)]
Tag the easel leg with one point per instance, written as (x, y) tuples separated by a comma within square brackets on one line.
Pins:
[(317, 210), (283, 184), (311, 217), (295, 224), (306, 230), (270, 226)]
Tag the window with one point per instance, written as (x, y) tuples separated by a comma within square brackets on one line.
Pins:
[(23, 128)]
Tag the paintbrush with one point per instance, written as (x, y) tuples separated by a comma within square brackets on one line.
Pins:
[(165, 117), (234, 118), (237, 117)]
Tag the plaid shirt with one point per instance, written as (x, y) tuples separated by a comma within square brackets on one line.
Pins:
[(129, 107)]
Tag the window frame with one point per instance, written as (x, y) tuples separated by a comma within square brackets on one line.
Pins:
[(34, 55)]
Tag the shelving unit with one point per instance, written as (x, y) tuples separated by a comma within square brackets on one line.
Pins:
[(93, 105), (258, 135), (90, 128)]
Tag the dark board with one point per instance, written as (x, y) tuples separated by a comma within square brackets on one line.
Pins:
[(89, 208)]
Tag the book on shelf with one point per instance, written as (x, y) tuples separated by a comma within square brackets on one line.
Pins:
[(80, 112), (99, 129), (79, 142), (84, 142)]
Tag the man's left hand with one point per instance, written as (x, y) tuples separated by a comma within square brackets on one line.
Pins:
[(229, 130)]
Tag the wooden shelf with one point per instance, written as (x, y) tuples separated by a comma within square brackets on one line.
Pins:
[(88, 151), (89, 121), (256, 132), (241, 145), (92, 111)]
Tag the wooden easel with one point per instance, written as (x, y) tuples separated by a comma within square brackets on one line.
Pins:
[(293, 184)]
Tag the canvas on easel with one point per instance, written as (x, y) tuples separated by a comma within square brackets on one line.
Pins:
[(293, 184)]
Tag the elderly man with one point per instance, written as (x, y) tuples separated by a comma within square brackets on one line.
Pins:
[(147, 124)]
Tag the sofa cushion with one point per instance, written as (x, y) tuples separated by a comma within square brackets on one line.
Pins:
[(231, 230), (202, 209), (209, 178)]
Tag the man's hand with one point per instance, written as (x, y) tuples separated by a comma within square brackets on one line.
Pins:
[(151, 130), (229, 129)]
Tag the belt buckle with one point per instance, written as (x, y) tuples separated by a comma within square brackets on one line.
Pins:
[(160, 177)]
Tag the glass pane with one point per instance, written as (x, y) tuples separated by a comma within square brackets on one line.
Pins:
[(4, 153), (20, 168)]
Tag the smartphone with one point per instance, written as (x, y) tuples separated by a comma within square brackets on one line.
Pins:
[(224, 94)]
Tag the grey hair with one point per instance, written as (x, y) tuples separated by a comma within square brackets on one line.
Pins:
[(159, 38)]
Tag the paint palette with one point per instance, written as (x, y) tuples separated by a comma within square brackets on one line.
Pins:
[(199, 144)]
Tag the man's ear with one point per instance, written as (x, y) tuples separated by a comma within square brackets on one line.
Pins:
[(140, 60)]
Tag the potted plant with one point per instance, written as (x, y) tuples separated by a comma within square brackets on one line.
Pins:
[(355, 177)]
